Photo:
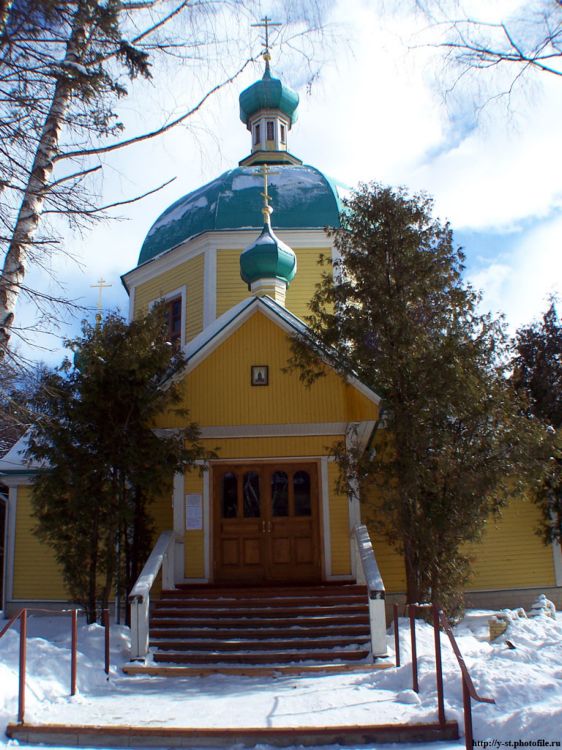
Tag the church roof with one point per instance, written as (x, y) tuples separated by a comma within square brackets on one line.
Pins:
[(301, 197)]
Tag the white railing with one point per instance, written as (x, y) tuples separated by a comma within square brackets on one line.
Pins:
[(162, 556), (367, 572)]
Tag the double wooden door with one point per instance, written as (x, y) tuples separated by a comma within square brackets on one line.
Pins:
[(266, 525)]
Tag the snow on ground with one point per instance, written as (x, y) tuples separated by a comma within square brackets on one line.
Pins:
[(526, 682)]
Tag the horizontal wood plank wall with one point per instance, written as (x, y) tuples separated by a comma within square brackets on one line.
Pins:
[(194, 540), (36, 572), (219, 391), (339, 526), (510, 554), (190, 274), (231, 289)]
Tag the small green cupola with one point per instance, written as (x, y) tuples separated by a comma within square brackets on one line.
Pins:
[(268, 108), (268, 265)]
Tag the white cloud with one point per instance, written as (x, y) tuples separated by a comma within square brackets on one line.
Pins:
[(521, 284)]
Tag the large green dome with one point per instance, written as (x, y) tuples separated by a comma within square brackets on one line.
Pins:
[(301, 198), (268, 93)]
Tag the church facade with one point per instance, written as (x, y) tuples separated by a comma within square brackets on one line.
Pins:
[(236, 263)]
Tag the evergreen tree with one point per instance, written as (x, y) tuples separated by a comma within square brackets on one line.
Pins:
[(104, 463), (538, 374), (449, 449)]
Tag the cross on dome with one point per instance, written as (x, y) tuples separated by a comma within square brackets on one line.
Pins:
[(265, 171), (266, 23)]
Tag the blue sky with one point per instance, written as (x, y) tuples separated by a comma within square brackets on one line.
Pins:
[(376, 112)]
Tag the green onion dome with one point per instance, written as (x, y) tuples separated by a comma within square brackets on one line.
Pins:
[(268, 93), (268, 258), (301, 197)]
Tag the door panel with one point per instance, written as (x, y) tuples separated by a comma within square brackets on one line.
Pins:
[(266, 523)]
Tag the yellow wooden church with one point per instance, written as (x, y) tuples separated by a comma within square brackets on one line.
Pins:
[(236, 262)]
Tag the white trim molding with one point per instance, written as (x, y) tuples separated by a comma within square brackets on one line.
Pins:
[(178, 510), (210, 286), (557, 559), (325, 506), (207, 546)]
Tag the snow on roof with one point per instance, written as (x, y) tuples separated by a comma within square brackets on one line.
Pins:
[(15, 462)]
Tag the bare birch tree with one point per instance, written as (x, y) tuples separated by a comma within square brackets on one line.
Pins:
[(64, 64), (527, 40)]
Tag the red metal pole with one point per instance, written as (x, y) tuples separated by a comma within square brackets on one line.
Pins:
[(468, 735), (438, 666), (412, 612), (74, 645), (396, 636), (106, 626), (23, 649)]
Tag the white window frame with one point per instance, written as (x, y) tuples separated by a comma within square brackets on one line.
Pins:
[(180, 292)]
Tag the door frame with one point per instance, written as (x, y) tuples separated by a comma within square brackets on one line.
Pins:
[(322, 508)]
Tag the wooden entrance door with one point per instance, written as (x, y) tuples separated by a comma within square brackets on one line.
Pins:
[(266, 525)]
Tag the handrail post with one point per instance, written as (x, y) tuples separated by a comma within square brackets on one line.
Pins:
[(438, 666), (106, 639), (412, 613), (468, 734), (396, 636), (23, 638), (74, 646)]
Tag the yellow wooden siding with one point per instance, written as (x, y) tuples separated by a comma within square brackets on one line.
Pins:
[(36, 572), (231, 289), (218, 391), (194, 540), (189, 274), (339, 525), (510, 554), (161, 510)]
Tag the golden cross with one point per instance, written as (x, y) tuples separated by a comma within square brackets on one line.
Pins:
[(266, 23), (265, 171), (100, 286)]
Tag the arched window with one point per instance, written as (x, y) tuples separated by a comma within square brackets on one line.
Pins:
[(279, 494), (301, 490), (251, 491), (229, 495)]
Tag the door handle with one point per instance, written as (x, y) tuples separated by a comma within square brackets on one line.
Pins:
[(263, 527), (269, 527)]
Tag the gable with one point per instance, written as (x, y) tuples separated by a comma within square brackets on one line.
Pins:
[(218, 389)]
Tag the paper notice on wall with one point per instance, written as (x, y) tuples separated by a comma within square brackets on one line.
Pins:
[(193, 512)]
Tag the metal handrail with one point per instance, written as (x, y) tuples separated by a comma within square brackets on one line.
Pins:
[(468, 689), (22, 616), (445, 624)]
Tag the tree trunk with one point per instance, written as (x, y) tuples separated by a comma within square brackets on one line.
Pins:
[(93, 575), (411, 563), (13, 272)]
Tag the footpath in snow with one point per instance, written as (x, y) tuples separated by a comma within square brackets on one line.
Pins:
[(525, 681)]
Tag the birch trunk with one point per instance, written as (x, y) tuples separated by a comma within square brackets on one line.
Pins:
[(13, 272)]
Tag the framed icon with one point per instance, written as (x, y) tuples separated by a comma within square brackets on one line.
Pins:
[(260, 375)]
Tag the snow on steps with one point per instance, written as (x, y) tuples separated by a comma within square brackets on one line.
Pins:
[(130, 736), (261, 626)]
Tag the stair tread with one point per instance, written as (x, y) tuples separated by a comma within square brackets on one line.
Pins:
[(279, 626)]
